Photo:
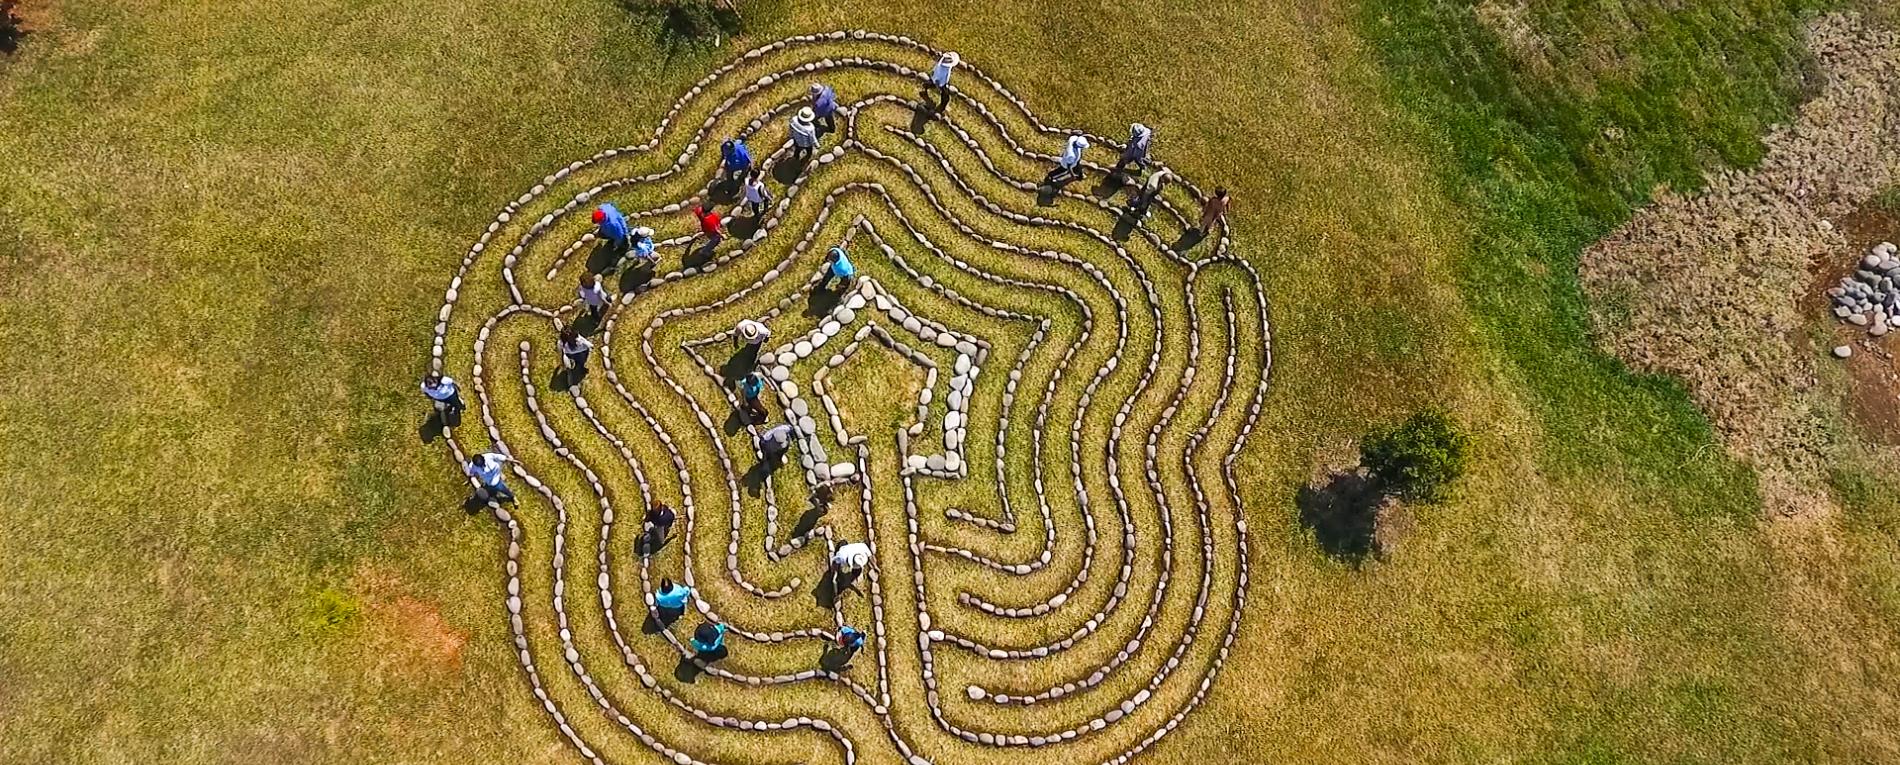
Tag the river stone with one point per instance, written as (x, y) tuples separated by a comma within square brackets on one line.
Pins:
[(1843, 351), (934, 462), (915, 462)]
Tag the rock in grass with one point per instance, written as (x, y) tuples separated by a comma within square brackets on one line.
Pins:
[(1843, 351)]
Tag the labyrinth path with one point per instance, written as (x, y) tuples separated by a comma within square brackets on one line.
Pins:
[(1037, 405)]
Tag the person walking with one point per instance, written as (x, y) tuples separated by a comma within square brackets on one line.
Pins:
[(659, 519), (850, 558), (1069, 165), (575, 350), (940, 80), (486, 470), (671, 595), (1213, 210), (1135, 152), (775, 441), (441, 390), (734, 158), (641, 247), (751, 333), (593, 295), (711, 226), (1148, 193), (709, 638), (750, 387), (824, 103), (611, 225), (850, 641), (838, 265), (804, 134), (757, 197)]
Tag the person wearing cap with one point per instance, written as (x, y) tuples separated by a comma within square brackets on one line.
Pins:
[(850, 641), (709, 638), (734, 158), (641, 248), (611, 225), (838, 265), (711, 226), (804, 133), (757, 197), (824, 103), (940, 79), (750, 387), (850, 558), (659, 519), (775, 441), (671, 595), (593, 295), (1069, 165), (441, 389), (751, 333), (1213, 210), (1136, 151), (486, 470), (575, 349)]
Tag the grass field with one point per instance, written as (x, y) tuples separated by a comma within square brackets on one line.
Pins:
[(227, 228)]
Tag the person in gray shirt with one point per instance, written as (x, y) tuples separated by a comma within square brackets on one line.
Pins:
[(776, 440)]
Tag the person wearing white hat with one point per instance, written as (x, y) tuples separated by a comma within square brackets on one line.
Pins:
[(804, 133), (1069, 165), (640, 246), (751, 333), (850, 558), (1135, 152), (940, 79)]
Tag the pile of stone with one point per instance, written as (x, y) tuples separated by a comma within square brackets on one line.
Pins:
[(1867, 298)]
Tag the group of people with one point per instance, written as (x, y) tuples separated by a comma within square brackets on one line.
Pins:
[(670, 599)]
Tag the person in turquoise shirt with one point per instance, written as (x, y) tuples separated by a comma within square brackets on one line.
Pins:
[(750, 387), (838, 266), (671, 595), (709, 638)]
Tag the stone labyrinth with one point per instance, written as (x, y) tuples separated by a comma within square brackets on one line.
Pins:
[(1030, 407)]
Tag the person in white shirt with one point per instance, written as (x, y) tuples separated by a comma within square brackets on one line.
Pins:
[(593, 295), (850, 558), (486, 470), (940, 80), (441, 389), (575, 349), (804, 133), (1069, 165), (757, 198), (1148, 193), (751, 333)]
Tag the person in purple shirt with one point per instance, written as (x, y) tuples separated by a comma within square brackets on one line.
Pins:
[(735, 158), (824, 102)]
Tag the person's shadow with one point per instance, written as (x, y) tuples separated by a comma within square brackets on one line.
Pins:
[(832, 585), (636, 277), (652, 541), (658, 619), (740, 363), (1125, 225), (807, 521), (821, 302), (474, 504), (564, 379), (438, 422), (835, 658), (920, 115), (586, 323), (787, 171), (604, 257), (689, 670), (755, 476), (1110, 185), (736, 420), (743, 227), (1189, 238)]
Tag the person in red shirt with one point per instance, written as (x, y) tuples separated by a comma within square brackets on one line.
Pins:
[(710, 226)]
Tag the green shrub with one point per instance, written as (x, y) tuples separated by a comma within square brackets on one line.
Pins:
[(1419, 458)]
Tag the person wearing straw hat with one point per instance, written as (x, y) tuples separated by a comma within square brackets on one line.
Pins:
[(804, 133), (940, 79), (751, 333), (824, 102), (846, 563)]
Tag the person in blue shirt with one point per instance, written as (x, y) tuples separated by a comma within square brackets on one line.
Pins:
[(734, 158), (838, 265), (709, 638), (671, 595), (750, 387), (850, 641), (486, 470), (611, 225), (824, 103), (640, 247)]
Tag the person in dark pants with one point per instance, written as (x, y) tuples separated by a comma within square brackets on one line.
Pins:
[(774, 442), (442, 390), (709, 639), (824, 103), (1136, 152), (575, 349), (486, 470), (804, 130), (734, 158), (749, 389), (593, 295), (940, 80), (659, 520), (757, 197), (838, 266), (850, 641), (1147, 194)]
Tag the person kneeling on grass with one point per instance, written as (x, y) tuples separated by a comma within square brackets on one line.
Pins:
[(709, 638), (671, 595), (850, 640), (750, 387), (838, 266)]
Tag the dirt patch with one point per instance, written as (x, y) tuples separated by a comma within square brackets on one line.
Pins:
[(407, 633), (1709, 288), (1872, 398)]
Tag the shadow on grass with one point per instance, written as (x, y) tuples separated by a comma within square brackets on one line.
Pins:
[(1343, 514)]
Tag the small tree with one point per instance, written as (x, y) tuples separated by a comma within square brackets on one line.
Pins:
[(1419, 458)]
